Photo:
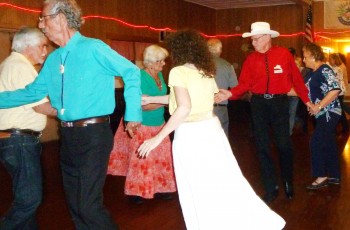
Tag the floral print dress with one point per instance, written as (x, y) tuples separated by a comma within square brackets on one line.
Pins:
[(154, 174)]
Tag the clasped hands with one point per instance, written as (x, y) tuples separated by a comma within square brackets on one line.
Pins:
[(224, 94), (313, 109), (131, 127)]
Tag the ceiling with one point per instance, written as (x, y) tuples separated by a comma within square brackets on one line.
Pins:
[(230, 4)]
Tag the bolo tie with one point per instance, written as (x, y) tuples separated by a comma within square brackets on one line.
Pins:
[(62, 81)]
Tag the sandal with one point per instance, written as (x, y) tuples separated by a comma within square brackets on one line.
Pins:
[(316, 185)]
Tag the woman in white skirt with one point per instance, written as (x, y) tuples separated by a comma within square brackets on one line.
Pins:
[(212, 190)]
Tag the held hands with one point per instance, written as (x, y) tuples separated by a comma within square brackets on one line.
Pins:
[(313, 109), (131, 128), (147, 146), (222, 95)]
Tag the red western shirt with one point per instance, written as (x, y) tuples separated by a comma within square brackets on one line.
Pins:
[(281, 76)]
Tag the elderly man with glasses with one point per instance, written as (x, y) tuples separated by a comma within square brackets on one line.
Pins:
[(79, 79), (270, 73)]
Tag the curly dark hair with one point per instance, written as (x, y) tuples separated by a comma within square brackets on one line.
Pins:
[(188, 46)]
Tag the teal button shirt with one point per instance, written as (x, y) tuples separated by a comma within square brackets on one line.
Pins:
[(79, 80)]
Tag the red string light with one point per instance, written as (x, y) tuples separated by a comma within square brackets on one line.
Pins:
[(317, 34), (117, 20), (19, 7)]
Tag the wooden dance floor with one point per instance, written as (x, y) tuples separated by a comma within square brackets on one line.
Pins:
[(324, 209)]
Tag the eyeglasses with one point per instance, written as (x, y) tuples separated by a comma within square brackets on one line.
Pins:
[(41, 18), (256, 39)]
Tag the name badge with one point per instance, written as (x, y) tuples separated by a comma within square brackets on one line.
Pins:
[(277, 69)]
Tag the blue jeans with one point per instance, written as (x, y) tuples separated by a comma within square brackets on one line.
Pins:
[(272, 114), (21, 157)]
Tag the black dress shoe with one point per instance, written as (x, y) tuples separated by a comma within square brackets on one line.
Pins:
[(288, 189), (270, 196)]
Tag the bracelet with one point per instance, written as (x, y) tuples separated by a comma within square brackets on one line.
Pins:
[(319, 107)]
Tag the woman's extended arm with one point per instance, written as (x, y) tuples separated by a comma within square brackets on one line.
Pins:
[(153, 102), (145, 100), (183, 109)]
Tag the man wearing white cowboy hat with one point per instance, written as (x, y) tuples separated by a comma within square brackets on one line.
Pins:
[(269, 74)]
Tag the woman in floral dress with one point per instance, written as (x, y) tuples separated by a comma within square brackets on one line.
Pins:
[(146, 177)]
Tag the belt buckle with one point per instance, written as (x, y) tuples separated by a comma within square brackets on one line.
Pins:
[(67, 124), (268, 96)]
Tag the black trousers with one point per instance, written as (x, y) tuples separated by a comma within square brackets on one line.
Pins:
[(272, 115), (84, 160)]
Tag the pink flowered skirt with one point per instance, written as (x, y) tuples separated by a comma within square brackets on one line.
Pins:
[(144, 177)]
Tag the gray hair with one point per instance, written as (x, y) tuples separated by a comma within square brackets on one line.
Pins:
[(215, 46), (70, 9), (154, 53), (26, 37)]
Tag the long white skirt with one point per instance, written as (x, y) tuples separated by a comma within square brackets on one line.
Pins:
[(213, 192)]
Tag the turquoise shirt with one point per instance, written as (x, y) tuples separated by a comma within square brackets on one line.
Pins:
[(150, 88), (79, 80)]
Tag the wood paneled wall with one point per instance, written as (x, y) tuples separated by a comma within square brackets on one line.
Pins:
[(175, 14), (286, 19)]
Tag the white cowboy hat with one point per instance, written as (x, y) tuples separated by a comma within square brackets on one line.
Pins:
[(261, 28)]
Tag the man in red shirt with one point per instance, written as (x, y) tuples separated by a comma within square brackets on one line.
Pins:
[(270, 73)]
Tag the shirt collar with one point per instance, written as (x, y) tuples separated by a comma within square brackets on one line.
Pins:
[(71, 43), (21, 56)]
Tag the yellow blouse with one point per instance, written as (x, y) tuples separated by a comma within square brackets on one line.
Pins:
[(201, 90)]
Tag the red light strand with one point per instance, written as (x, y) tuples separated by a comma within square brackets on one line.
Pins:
[(317, 34), (19, 7)]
